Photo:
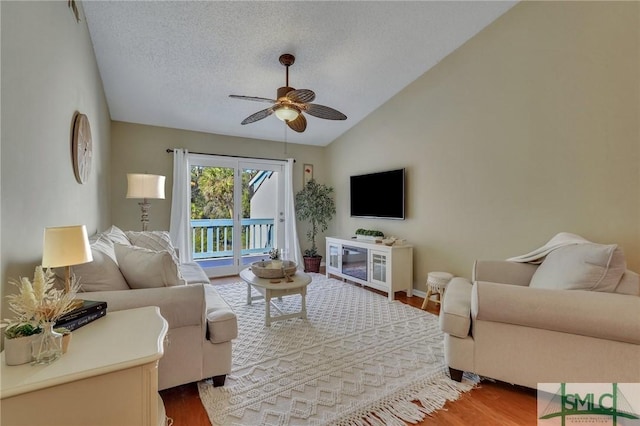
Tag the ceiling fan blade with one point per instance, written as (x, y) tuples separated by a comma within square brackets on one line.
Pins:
[(258, 116), (253, 98), (325, 112), (301, 95), (299, 124)]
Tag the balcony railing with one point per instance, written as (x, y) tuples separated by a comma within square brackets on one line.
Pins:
[(212, 238)]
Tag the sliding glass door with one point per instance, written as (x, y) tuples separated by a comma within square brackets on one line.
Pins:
[(237, 211)]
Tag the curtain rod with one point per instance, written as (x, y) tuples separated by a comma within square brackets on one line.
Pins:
[(170, 150)]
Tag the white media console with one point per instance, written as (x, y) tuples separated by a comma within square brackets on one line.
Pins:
[(385, 268)]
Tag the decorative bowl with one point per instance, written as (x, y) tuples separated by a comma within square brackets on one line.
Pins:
[(265, 269)]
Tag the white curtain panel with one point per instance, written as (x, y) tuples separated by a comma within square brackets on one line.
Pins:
[(291, 243), (180, 226)]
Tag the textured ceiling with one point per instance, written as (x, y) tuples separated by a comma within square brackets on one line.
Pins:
[(174, 64)]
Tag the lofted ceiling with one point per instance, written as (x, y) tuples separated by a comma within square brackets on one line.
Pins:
[(174, 64)]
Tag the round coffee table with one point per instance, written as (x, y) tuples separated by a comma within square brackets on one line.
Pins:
[(269, 289)]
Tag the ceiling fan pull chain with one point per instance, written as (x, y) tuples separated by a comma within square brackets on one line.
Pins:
[(285, 137)]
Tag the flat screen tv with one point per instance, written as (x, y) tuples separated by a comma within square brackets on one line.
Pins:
[(378, 195)]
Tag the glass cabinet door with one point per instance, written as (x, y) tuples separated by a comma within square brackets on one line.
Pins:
[(354, 262), (378, 267), (334, 256)]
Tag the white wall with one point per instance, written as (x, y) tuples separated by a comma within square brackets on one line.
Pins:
[(264, 206), (48, 73), (263, 202), (529, 129)]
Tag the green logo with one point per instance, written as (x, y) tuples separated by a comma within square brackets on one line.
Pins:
[(591, 402)]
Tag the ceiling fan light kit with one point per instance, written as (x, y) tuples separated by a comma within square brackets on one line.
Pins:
[(287, 113), (291, 103)]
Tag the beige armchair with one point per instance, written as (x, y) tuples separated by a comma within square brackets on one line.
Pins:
[(135, 269), (498, 326)]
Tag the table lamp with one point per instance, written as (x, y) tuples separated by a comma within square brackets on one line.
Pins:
[(146, 187), (66, 246)]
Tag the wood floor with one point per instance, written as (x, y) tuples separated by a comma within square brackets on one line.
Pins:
[(491, 403)]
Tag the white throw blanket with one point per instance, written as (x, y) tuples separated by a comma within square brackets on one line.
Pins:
[(562, 239)]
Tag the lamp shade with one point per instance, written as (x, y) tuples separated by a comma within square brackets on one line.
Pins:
[(145, 186), (65, 246), (287, 113)]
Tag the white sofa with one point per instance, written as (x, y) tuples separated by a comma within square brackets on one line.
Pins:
[(503, 326), (134, 269)]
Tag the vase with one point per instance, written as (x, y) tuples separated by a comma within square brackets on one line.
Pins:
[(18, 350), (48, 347)]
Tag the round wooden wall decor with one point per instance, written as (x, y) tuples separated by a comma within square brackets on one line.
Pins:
[(82, 147)]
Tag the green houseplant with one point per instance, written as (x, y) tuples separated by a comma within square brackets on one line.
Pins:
[(369, 232), (314, 204)]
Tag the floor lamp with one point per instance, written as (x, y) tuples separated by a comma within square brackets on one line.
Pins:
[(65, 246), (145, 187)]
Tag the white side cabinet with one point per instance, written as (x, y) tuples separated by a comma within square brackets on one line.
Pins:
[(385, 268), (109, 376)]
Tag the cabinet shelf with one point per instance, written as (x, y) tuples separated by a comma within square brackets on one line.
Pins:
[(385, 268)]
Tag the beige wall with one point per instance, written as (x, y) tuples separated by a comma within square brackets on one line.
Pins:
[(48, 72), (529, 129), (138, 149)]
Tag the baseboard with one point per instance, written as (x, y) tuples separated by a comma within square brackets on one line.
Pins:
[(420, 293)]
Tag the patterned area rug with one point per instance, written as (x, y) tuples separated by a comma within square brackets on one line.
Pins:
[(357, 360)]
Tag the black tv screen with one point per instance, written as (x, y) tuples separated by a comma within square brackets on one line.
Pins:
[(378, 195)]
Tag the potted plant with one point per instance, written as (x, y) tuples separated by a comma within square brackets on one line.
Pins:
[(276, 261), (18, 338), (315, 204), (369, 234)]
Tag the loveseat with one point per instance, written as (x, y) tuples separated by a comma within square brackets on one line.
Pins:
[(516, 323), (134, 269)]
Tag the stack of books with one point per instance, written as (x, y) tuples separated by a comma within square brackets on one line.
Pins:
[(90, 311)]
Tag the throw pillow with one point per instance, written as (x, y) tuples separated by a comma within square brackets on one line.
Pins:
[(595, 267), (153, 240), (117, 235), (144, 268), (102, 274)]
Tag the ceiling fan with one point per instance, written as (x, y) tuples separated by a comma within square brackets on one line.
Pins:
[(291, 103)]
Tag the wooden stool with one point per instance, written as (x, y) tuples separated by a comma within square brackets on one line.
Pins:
[(436, 284)]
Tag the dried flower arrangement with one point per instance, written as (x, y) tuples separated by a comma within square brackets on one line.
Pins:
[(274, 254), (37, 303)]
